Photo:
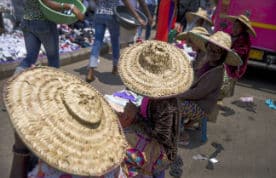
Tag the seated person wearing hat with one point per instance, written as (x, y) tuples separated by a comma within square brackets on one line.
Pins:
[(158, 71), (241, 44), (75, 133), (198, 19), (197, 56), (200, 99), (64, 122)]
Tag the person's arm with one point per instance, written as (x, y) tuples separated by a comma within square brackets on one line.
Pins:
[(133, 12), (163, 114), (204, 86), (64, 6), (146, 10)]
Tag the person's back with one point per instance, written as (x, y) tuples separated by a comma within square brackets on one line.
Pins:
[(32, 10), (106, 6), (209, 99)]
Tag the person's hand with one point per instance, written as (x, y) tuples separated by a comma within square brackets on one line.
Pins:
[(128, 116), (178, 27), (150, 19), (142, 22), (78, 13)]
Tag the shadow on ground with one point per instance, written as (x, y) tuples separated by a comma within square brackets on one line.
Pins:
[(249, 106), (226, 111), (103, 77), (195, 139)]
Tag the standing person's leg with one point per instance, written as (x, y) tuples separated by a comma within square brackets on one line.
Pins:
[(95, 52), (114, 29), (50, 42), (148, 27), (32, 45), (139, 33)]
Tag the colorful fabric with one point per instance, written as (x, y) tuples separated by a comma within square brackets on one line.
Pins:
[(165, 19), (145, 156), (32, 10), (144, 106), (191, 111), (241, 45), (153, 141), (42, 170)]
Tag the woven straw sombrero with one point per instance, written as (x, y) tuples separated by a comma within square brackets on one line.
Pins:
[(201, 13), (198, 30), (243, 19), (155, 69), (220, 39), (65, 122)]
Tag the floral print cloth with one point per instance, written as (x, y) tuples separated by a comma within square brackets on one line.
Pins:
[(42, 170)]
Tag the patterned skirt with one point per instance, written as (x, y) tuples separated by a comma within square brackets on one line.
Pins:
[(145, 157), (191, 111)]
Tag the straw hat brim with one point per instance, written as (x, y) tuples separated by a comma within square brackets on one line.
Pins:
[(182, 36), (248, 25), (190, 16), (232, 58), (40, 102), (185, 35), (169, 83)]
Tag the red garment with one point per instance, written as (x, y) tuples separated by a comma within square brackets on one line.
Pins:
[(242, 47), (165, 19)]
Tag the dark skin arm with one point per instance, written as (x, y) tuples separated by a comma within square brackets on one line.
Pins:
[(58, 7), (133, 12), (146, 10)]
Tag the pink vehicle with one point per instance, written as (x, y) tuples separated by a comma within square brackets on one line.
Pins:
[(263, 18)]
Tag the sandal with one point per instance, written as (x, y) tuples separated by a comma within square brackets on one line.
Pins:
[(90, 75)]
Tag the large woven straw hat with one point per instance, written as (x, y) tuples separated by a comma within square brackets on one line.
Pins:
[(201, 13), (245, 20), (221, 39), (65, 122), (155, 69), (198, 30)]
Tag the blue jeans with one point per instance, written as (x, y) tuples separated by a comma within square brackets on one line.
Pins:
[(148, 27), (102, 22), (37, 32)]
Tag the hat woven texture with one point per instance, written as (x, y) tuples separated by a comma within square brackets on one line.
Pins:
[(245, 20), (198, 30), (155, 69), (201, 13), (65, 121), (222, 40)]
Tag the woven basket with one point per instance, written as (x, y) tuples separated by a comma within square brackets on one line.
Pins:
[(61, 18)]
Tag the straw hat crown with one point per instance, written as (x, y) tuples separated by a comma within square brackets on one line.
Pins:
[(155, 69), (155, 59), (65, 121), (201, 13), (222, 39)]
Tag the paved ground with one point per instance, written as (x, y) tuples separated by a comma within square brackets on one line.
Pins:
[(243, 139)]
